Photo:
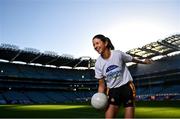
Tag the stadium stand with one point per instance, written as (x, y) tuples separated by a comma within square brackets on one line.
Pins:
[(29, 76), (159, 80), (2, 100)]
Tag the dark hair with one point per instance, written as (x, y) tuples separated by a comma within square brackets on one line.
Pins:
[(104, 39)]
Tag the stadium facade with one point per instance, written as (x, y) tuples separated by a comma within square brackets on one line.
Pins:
[(28, 76)]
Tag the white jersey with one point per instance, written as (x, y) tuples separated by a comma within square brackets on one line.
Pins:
[(114, 69)]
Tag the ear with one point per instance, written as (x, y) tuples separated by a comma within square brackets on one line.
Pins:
[(106, 43)]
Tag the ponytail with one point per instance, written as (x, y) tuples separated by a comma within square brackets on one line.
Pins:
[(110, 45), (105, 39)]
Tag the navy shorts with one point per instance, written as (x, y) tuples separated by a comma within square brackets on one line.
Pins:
[(124, 94)]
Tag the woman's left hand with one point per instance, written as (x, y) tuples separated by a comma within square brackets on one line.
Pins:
[(148, 61)]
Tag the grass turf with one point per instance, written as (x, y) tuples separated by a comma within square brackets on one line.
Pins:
[(161, 109)]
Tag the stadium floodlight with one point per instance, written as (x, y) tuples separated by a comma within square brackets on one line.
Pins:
[(9, 46), (2, 71), (174, 53), (92, 63), (32, 50), (157, 57), (68, 56), (51, 53), (84, 58)]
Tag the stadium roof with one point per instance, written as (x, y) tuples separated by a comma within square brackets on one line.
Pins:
[(12, 53), (160, 48)]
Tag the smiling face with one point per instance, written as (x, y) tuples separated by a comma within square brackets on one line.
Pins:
[(99, 45)]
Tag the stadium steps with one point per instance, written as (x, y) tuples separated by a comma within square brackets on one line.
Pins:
[(38, 97), (57, 97), (14, 97), (2, 100)]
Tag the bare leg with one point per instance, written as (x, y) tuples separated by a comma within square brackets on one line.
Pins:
[(129, 112), (111, 111)]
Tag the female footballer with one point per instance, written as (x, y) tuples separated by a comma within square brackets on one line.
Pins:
[(114, 77)]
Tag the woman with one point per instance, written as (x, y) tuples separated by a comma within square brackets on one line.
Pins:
[(114, 77)]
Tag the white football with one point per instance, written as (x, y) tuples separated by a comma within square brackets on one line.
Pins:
[(99, 101)]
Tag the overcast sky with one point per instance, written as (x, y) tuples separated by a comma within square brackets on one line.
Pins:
[(67, 26)]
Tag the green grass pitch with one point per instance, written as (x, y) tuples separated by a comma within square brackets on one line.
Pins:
[(158, 109)]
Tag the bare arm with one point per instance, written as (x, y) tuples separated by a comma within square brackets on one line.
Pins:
[(145, 61), (102, 87)]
